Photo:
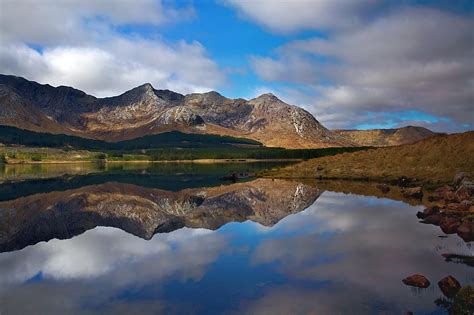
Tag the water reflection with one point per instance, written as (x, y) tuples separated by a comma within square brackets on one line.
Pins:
[(258, 247), (144, 212)]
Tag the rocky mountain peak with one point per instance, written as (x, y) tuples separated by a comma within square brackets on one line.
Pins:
[(143, 111), (267, 98)]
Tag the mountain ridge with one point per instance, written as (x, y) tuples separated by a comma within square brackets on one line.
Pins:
[(144, 110), (387, 137)]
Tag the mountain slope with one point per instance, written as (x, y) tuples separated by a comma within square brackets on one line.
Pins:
[(386, 137), (435, 159), (145, 111)]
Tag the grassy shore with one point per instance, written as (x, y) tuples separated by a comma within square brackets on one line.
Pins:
[(434, 160), (32, 155)]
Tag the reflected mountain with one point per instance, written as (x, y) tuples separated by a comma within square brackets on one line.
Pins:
[(144, 211)]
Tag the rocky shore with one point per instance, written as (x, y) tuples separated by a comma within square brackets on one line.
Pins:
[(452, 207)]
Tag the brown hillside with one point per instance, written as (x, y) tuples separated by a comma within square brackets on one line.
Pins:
[(386, 137), (436, 159)]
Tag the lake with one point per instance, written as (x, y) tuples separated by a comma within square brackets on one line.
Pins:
[(177, 239)]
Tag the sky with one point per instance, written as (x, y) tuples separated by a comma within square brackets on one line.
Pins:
[(351, 63)]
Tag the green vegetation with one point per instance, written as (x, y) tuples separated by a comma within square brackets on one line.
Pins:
[(243, 153), (461, 304), (39, 147), (173, 139)]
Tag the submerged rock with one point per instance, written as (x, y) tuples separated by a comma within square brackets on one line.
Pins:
[(449, 286), (417, 280)]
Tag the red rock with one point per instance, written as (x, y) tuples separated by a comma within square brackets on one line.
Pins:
[(465, 205), (453, 207), (449, 225), (433, 219), (442, 190), (466, 230), (427, 212), (431, 210), (417, 280), (449, 286), (463, 193)]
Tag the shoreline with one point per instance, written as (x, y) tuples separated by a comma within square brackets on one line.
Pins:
[(199, 161)]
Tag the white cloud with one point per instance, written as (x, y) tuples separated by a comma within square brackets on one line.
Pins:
[(291, 16), (81, 47), (65, 22), (410, 59), (114, 67)]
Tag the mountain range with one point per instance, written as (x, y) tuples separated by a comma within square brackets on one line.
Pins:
[(145, 110)]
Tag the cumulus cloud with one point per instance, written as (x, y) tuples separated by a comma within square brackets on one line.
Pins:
[(116, 66), (52, 22), (77, 43), (291, 16), (410, 58)]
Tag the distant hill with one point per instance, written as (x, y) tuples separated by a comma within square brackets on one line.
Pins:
[(172, 139), (386, 137), (145, 111), (435, 159)]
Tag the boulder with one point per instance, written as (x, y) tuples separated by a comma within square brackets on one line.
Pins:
[(417, 280), (464, 182), (442, 190), (433, 219), (466, 230), (465, 205), (460, 177), (449, 286), (427, 212), (463, 193), (449, 225), (447, 193), (415, 192), (431, 210), (452, 207), (383, 188)]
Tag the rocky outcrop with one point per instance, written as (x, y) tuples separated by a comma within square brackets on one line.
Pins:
[(146, 211), (145, 110), (454, 211), (387, 137)]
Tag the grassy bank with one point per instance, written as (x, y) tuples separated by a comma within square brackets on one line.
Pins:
[(20, 154), (433, 160)]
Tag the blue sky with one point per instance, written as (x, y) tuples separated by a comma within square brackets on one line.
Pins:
[(358, 64)]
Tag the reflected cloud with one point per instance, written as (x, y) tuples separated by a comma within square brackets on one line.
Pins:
[(363, 246), (344, 253)]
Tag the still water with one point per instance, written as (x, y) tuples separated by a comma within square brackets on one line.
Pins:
[(177, 239)]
